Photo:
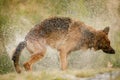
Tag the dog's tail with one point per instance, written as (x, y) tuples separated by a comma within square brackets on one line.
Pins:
[(16, 55)]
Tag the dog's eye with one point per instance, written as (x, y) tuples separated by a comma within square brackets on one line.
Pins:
[(106, 47)]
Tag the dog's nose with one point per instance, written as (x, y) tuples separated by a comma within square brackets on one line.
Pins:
[(112, 51)]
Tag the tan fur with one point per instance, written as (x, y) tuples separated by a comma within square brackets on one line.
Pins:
[(65, 35)]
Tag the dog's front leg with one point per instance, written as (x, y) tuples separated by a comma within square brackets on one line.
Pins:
[(63, 60)]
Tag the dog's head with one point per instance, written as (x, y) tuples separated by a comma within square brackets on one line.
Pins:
[(102, 41)]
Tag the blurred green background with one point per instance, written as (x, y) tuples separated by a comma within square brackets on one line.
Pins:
[(17, 17)]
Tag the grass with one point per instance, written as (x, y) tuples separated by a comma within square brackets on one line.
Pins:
[(43, 75), (118, 77), (5, 64), (54, 74), (93, 72)]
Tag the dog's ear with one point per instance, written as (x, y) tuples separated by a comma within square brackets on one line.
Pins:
[(106, 30)]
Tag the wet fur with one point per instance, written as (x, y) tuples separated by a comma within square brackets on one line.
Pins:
[(65, 35)]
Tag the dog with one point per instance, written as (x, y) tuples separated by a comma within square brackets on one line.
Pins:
[(63, 34)]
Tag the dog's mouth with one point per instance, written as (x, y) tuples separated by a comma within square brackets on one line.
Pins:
[(109, 51)]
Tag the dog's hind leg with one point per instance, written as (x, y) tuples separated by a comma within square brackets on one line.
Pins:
[(38, 51), (34, 58)]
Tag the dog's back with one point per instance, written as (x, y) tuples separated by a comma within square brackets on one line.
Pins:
[(52, 29), (49, 26)]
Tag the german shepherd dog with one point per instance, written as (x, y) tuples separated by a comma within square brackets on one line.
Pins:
[(64, 34)]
